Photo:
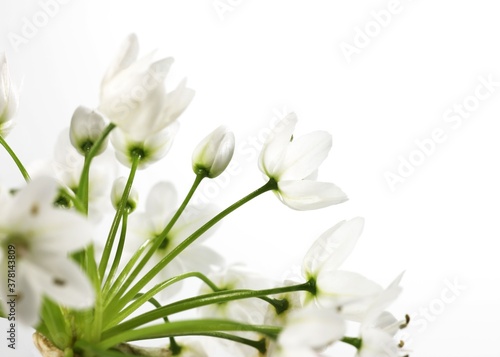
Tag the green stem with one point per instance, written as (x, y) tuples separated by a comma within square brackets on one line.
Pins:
[(119, 213), (174, 347), (141, 299), (111, 293), (83, 186), (14, 157), (270, 185), (184, 328), (259, 345), (156, 243), (202, 300), (119, 251)]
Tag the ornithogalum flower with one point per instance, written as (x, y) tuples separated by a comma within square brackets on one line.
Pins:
[(86, 127), (293, 162), (8, 98), (42, 236), (335, 288), (117, 193), (134, 98), (379, 327), (213, 153)]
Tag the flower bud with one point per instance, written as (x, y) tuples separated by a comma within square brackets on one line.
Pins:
[(8, 99), (86, 127), (117, 194), (213, 154)]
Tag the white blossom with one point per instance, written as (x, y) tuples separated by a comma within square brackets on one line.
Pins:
[(42, 237), (335, 288), (134, 98), (86, 127), (293, 163), (117, 193), (214, 152)]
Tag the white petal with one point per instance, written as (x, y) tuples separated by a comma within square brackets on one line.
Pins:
[(176, 101), (334, 246), (377, 343), (384, 299), (28, 304), (37, 195), (63, 281), (312, 327), (275, 149), (308, 195), (59, 231), (305, 154), (127, 54), (158, 145), (351, 290), (162, 199)]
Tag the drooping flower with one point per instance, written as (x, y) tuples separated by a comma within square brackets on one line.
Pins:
[(117, 193), (349, 291), (161, 204), (8, 99), (134, 98), (293, 162), (86, 127), (214, 152), (151, 149), (42, 236)]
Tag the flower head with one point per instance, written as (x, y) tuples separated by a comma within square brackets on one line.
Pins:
[(42, 237), (86, 127), (8, 98), (117, 193), (334, 288), (134, 98), (292, 163), (214, 152), (379, 327)]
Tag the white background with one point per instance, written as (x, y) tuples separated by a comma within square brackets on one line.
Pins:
[(262, 58)]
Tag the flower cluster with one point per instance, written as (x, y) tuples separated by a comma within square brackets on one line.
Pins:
[(88, 296)]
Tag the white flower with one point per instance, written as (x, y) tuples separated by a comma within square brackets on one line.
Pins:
[(350, 291), (151, 149), (134, 98), (8, 99), (214, 152), (161, 205), (42, 237), (86, 127), (307, 331), (66, 167), (292, 163), (117, 193), (379, 326)]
